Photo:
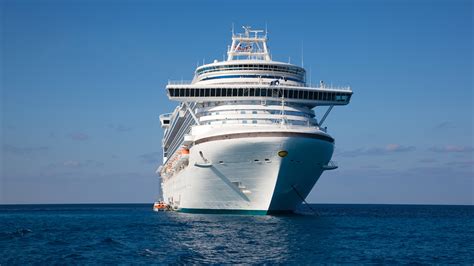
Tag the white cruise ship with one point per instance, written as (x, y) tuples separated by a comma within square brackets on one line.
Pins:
[(244, 137)]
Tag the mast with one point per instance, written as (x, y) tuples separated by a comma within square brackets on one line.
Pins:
[(251, 44)]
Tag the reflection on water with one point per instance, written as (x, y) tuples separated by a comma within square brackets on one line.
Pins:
[(135, 234)]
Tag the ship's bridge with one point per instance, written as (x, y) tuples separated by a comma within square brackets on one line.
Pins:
[(309, 96)]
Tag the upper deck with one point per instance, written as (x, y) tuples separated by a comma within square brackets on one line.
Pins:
[(250, 74)]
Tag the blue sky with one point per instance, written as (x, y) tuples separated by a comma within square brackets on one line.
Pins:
[(82, 85)]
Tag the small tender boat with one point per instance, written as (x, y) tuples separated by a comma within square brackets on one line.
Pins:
[(160, 206)]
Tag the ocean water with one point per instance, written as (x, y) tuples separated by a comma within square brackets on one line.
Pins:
[(84, 234)]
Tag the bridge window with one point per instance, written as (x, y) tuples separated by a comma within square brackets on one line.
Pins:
[(241, 92), (257, 92), (252, 92), (207, 92), (218, 92)]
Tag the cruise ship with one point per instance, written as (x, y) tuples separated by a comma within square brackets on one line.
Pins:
[(244, 137)]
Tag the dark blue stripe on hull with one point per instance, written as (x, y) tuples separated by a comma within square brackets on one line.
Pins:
[(222, 211)]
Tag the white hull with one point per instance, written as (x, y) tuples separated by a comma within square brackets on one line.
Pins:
[(247, 174)]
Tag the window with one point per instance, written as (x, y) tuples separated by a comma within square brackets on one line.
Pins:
[(181, 92), (187, 92), (244, 121), (213, 92), (192, 92), (254, 112), (207, 93), (254, 121), (300, 94), (246, 92), (171, 92), (311, 95), (241, 92), (229, 92), (234, 92), (257, 92), (264, 92), (305, 95), (242, 112), (218, 92), (252, 92)]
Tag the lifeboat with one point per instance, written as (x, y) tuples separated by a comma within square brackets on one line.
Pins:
[(160, 206)]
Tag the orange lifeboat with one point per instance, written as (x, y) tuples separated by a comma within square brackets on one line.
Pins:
[(160, 206)]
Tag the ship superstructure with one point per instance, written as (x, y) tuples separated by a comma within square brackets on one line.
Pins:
[(244, 137)]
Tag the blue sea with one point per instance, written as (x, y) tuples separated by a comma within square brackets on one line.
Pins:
[(326, 233)]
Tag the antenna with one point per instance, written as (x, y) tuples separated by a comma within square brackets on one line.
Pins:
[(266, 30), (310, 83), (232, 28)]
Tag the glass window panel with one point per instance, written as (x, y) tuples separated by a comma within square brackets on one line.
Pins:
[(218, 92), (207, 92), (252, 92), (234, 92), (213, 92), (241, 92), (257, 92), (311, 95), (305, 96), (264, 92)]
